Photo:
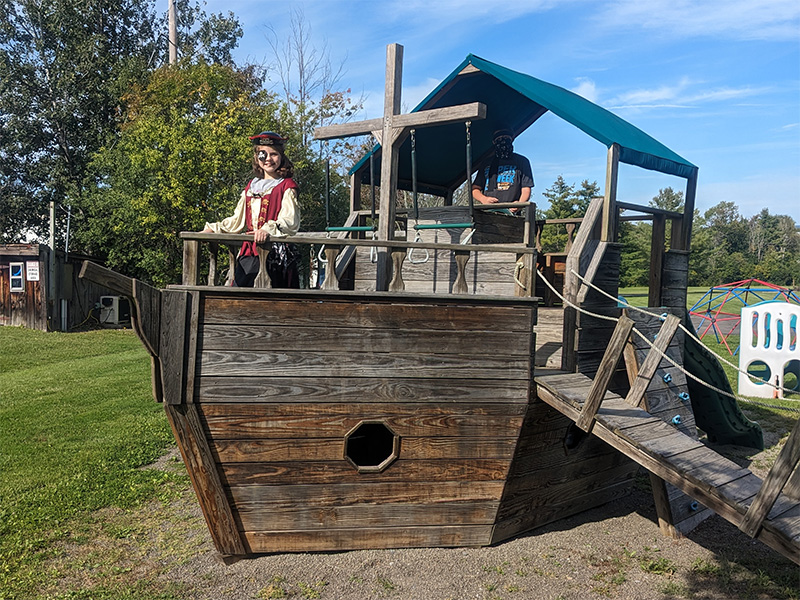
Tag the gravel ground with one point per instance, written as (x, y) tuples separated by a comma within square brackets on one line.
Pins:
[(613, 551)]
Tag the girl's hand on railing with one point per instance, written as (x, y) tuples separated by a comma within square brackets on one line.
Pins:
[(260, 236)]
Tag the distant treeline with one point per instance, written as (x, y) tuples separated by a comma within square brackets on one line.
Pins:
[(726, 246)]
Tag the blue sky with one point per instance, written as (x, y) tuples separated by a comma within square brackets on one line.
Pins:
[(718, 82)]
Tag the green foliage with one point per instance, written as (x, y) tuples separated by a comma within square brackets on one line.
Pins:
[(65, 67), (635, 257), (727, 247), (565, 202), (182, 158), (61, 66), (77, 422)]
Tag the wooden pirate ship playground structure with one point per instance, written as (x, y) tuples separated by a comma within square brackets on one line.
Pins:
[(449, 384)]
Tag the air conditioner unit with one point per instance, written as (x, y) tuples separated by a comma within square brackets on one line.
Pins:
[(114, 310)]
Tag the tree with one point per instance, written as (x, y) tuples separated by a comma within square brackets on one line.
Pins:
[(202, 37), (565, 203), (182, 158), (584, 196), (668, 199), (64, 67)]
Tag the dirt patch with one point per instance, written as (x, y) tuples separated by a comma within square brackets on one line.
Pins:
[(614, 551)]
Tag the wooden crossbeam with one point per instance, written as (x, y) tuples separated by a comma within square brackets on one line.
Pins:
[(604, 373), (650, 364)]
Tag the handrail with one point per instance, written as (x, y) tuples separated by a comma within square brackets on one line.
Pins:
[(650, 210), (332, 248), (319, 237)]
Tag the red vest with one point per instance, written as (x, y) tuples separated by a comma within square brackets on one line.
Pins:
[(270, 208)]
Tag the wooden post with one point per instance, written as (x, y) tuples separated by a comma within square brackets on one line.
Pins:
[(460, 284), (604, 373), (682, 230), (331, 279), (355, 192), (262, 279), (609, 230), (398, 258), (213, 249), (529, 260), (231, 266), (389, 162), (191, 261), (657, 259)]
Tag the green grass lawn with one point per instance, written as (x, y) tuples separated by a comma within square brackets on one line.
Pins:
[(77, 421)]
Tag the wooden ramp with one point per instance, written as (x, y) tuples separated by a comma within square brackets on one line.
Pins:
[(731, 491)]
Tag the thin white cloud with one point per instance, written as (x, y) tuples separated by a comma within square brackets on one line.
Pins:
[(685, 93), (586, 88), (772, 20)]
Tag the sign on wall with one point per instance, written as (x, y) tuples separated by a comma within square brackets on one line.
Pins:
[(32, 270)]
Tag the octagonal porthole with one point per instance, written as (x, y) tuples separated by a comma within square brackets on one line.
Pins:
[(371, 446)]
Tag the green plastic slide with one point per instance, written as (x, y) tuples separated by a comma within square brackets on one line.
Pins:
[(716, 414)]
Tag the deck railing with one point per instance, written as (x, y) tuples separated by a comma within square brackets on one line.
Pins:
[(524, 274)]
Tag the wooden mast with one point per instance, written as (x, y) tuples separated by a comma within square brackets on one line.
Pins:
[(390, 131)]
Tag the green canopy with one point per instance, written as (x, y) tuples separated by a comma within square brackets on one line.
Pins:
[(514, 101)]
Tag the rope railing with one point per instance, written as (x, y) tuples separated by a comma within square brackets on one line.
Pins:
[(691, 334), (649, 343)]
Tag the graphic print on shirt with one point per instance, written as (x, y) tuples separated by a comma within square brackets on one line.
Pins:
[(505, 177)]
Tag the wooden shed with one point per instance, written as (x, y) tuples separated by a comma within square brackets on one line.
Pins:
[(28, 300)]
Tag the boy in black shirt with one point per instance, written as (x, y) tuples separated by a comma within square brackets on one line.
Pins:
[(507, 177)]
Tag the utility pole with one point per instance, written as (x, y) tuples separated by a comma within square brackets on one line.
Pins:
[(173, 33)]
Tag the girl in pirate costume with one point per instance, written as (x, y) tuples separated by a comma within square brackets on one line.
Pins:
[(267, 209)]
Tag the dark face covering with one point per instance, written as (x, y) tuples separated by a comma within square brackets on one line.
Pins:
[(503, 147)]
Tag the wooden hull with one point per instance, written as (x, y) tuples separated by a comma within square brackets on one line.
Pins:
[(270, 393)]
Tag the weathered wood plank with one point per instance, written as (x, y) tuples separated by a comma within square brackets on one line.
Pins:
[(205, 479), (553, 466), (542, 488), (359, 390), (341, 471), (779, 474), (342, 339), (366, 364), (444, 286), (252, 421), (607, 367), (722, 499), (310, 518), (561, 507), (399, 315), (191, 261), (252, 498), (648, 367), (193, 325), (368, 538), (331, 449), (442, 266), (172, 353)]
